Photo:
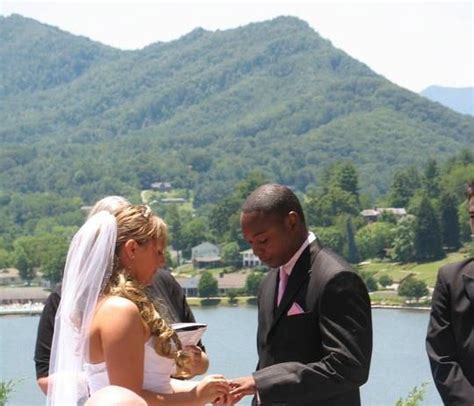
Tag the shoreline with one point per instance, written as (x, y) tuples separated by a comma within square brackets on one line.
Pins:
[(36, 310)]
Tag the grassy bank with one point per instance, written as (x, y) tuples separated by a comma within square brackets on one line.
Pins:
[(426, 271), (221, 301)]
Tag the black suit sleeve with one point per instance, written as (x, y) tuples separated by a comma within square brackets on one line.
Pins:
[(346, 331), (448, 375), (44, 337)]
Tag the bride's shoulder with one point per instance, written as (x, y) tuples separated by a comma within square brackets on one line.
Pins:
[(111, 305)]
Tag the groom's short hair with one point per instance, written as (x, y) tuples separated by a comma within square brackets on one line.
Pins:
[(273, 199)]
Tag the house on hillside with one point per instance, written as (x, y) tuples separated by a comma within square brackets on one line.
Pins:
[(372, 215), (234, 280), (249, 259), (189, 286), (9, 276), (23, 295), (205, 255), (161, 186), (168, 200)]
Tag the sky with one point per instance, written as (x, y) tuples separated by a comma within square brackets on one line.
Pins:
[(414, 43)]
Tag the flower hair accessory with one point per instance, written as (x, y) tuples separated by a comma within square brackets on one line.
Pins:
[(147, 212)]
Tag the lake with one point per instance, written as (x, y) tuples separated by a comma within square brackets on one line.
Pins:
[(399, 361)]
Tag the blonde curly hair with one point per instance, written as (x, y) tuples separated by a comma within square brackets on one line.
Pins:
[(137, 222)]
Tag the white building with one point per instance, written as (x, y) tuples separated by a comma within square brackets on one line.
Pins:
[(249, 259)]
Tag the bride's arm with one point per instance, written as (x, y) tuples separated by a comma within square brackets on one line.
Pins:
[(122, 339), (179, 385)]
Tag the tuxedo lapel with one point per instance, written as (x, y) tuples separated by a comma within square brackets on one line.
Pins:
[(468, 280), (299, 276), (267, 301)]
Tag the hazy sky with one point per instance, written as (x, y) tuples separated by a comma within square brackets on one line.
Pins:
[(412, 43)]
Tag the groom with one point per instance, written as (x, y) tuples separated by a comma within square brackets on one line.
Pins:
[(314, 336)]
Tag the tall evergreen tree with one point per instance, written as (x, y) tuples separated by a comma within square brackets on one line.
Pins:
[(431, 178), (404, 185), (428, 240), (450, 222), (352, 254), (347, 180), (176, 230)]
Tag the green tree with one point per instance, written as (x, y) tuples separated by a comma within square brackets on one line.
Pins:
[(414, 398), (331, 237), (405, 183), (322, 210), (343, 175), (252, 284), (374, 238), (404, 241), (431, 178), (5, 260), (193, 233), (369, 280), (352, 253), (207, 285), (53, 266), (385, 280), (232, 294), (449, 222), (175, 227), (411, 287), (231, 254), (24, 264), (428, 243), (6, 389), (465, 229), (221, 213)]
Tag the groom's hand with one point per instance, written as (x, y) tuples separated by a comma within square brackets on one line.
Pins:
[(241, 387)]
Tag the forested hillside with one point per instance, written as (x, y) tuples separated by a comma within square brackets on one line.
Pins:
[(82, 119)]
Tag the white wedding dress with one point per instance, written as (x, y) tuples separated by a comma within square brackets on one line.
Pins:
[(156, 374)]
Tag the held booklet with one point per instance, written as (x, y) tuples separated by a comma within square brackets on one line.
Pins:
[(189, 333)]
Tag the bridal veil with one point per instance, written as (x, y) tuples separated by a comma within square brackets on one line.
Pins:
[(88, 268)]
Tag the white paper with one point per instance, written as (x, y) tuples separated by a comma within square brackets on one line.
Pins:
[(189, 333)]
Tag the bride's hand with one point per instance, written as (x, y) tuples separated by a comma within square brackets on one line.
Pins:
[(198, 361), (212, 388)]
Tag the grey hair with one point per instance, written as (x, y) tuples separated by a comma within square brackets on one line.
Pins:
[(110, 204)]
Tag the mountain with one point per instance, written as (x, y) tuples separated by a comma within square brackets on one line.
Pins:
[(38, 57), (460, 99), (203, 111)]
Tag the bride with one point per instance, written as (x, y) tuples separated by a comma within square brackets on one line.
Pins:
[(107, 331)]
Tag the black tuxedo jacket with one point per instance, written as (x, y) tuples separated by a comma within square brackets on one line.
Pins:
[(321, 356), (450, 338)]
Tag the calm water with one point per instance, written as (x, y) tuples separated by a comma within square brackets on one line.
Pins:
[(398, 362)]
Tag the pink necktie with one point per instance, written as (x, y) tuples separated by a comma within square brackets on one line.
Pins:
[(282, 284)]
